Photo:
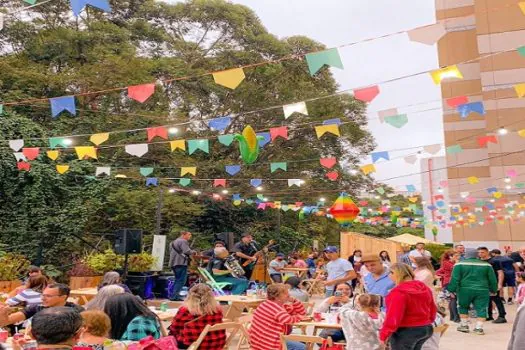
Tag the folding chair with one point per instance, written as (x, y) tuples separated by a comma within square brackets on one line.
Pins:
[(233, 327), (216, 286), (309, 340), (246, 322)]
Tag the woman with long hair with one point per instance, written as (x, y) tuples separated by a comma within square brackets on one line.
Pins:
[(425, 273), (113, 278), (95, 329), (199, 310), (410, 311), (448, 260), (130, 318), (385, 258), (32, 293), (98, 302)]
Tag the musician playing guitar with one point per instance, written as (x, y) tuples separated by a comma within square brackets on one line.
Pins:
[(245, 252)]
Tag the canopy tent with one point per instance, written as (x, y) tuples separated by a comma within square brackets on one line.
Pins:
[(409, 239)]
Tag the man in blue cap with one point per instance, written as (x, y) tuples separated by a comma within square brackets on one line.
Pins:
[(338, 270)]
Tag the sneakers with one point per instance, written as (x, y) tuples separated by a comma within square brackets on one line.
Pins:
[(478, 331), (489, 319), (510, 302), (500, 320), (463, 329)]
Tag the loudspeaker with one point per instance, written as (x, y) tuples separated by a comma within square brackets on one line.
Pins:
[(226, 237), (128, 240)]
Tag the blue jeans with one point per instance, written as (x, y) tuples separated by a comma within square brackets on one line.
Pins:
[(181, 274), (295, 345), (239, 285)]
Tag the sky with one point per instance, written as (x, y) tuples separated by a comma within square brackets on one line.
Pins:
[(337, 22)]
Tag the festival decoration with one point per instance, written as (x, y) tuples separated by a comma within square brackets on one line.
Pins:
[(368, 168), (366, 94), (100, 138), (294, 182), (230, 78), (255, 182), (248, 144), (31, 153), (484, 140), (146, 171), (152, 181), (158, 131), (188, 170), (19, 156), (473, 107), (220, 124), (411, 159), (16, 145), (439, 75), (53, 155), (141, 93), (281, 131), (265, 139), (185, 182), (194, 145), (328, 162), (344, 210), (316, 60), (61, 169), (472, 180), (60, 104), (78, 5), (332, 175), (520, 90), (278, 165), (23, 166), (386, 113), (428, 35), (320, 130), (219, 182), (299, 107), (379, 155), (454, 149), (103, 170), (397, 121), (232, 169), (432, 149), (226, 140), (454, 102), (178, 144), (137, 150), (86, 152)]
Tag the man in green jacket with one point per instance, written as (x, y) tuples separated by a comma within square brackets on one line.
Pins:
[(473, 281)]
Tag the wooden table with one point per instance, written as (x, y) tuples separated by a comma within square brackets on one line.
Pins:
[(84, 294), (317, 325), (299, 271), (166, 315), (237, 304)]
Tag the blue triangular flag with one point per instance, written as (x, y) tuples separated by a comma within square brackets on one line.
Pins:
[(336, 121), (491, 190), (255, 182), (232, 169), (380, 155), (266, 138), (236, 197), (219, 123), (490, 206), (152, 181), (411, 188), (64, 103), (465, 109), (78, 5)]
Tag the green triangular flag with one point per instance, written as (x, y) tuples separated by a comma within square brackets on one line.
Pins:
[(454, 149), (249, 201), (442, 211), (54, 142), (1, 109), (184, 182), (260, 197), (317, 60), (146, 171), (380, 190), (520, 185), (226, 140), (397, 121), (30, 2), (480, 203), (276, 166), (413, 207), (521, 50), (194, 145), (285, 207)]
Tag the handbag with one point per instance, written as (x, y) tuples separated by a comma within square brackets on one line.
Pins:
[(150, 343), (325, 346)]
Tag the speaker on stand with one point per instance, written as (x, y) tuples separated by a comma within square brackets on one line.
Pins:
[(128, 241), (226, 237)]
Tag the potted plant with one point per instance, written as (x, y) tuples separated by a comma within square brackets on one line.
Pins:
[(140, 279), (12, 267), (82, 276), (88, 271)]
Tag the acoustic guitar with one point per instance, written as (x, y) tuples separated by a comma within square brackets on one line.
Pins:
[(258, 254)]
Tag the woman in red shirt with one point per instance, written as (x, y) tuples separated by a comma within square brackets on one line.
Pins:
[(410, 311), (271, 318), (199, 310), (448, 260)]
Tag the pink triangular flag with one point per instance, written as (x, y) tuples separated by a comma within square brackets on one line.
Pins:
[(411, 159), (456, 101), (31, 153), (428, 35), (432, 149), (281, 131), (512, 173), (367, 94), (328, 162), (141, 92), (387, 113), (443, 183), (219, 182), (333, 175)]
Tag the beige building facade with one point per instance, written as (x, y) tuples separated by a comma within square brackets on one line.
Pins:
[(478, 28)]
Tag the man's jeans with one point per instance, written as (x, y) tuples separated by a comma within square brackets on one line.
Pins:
[(181, 274)]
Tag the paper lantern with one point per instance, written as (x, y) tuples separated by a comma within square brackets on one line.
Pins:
[(344, 210)]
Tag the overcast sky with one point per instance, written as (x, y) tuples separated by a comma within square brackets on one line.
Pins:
[(336, 22)]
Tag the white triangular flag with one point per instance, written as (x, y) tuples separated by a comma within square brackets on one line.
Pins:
[(20, 156), (411, 159), (292, 182), (16, 144), (432, 149), (103, 170), (137, 150), (2, 15), (386, 113), (429, 34), (299, 107)]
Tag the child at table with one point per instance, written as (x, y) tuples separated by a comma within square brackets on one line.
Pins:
[(361, 327)]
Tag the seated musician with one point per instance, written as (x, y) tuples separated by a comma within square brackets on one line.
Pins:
[(221, 273), (207, 255)]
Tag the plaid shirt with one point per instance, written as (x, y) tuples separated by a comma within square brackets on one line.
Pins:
[(140, 327), (186, 328)]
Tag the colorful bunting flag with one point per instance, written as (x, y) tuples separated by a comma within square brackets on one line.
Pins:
[(178, 144), (16, 145), (62, 168), (432, 149), (316, 60), (411, 188), (31, 153), (54, 142), (226, 140), (2, 20), (484, 140), (328, 162), (158, 131), (521, 133), (78, 5), (53, 155), (380, 190), (19, 156), (184, 181), (454, 149), (448, 72), (368, 168), (473, 107), (86, 151), (281, 131), (386, 113), (230, 78), (299, 107), (294, 182), (491, 190), (202, 145), (137, 150), (255, 182), (512, 173), (23, 166), (152, 181), (380, 155), (98, 139), (146, 171), (232, 169), (266, 138), (335, 121), (472, 180), (332, 175), (456, 101), (220, 124), (278, 165), (521, 4), (411, 159), (320, 130), (428, 35), (103, 170), (219, 182), (366, 94), (141, 93), (60, 104), (520, 89), (397, 121), (192, 170)]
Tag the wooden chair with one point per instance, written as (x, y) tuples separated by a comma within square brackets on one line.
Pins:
[(309, 340), (246, 322), (216, 286), (232, 327)]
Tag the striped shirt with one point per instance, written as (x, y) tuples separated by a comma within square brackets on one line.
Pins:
[(27, 296), (269, 322)]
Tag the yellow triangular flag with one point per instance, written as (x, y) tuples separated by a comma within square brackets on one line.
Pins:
[(62, 168), (472, 180), (178, 144), (97, 139), (448, 72), (86, 151), (322, 129), (520, 90), (368, 168), (522, 6), (53, 154), (497, 194), (230, 78), (188, 170), (521, 132)]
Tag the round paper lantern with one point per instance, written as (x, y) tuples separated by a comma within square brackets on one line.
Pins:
[(344, 210)]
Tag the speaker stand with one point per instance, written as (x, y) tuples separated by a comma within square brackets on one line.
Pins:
[(125, 272)]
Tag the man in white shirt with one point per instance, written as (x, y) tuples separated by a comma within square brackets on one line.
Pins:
[(418, 252), (338, 270)]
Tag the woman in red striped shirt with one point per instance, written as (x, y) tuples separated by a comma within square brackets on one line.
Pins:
[(271, 318)]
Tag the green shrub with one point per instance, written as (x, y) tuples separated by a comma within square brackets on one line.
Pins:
[(13, 266), (140, 262), (101, 263), (436, 250)]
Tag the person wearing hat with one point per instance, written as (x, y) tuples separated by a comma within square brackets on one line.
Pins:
[(295, 291), (377, 281), (275, 267), (338, 270), (245, 251), (472, 280)]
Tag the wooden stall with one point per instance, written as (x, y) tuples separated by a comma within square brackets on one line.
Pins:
[(351, 241)]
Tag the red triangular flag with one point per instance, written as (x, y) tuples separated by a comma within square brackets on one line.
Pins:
[(333, 175), (484, 140), (367, 94), (157, 131), (219, 182), (298, 204), (456, 101), (363, 203), (141, 92), (31, 153), (23, 166), (281, 131), (328, 162)]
